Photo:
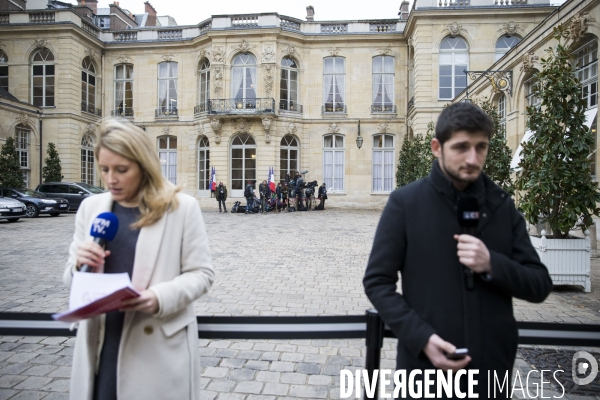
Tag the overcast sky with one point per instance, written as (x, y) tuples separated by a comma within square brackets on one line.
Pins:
[(195, 11)]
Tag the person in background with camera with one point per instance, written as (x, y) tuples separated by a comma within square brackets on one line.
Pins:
[(278, 196), (322, 197), (221, 196), (284, 195), (299, 192), (249, 195)]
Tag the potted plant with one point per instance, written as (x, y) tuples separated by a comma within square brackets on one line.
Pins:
[(555, 180)]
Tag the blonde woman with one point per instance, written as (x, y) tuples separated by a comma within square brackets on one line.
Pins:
[(149, 349)]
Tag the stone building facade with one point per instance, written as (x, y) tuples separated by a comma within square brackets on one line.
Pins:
[(246, 93)]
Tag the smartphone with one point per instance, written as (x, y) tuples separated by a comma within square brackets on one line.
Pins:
[(459, 354)]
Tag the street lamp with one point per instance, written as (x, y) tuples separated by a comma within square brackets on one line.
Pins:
[(359, 139)]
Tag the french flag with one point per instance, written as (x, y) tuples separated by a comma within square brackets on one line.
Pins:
[(272, 179), (213, 180)]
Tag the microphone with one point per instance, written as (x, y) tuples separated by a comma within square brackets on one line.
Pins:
[(467, 212), (104, 229)]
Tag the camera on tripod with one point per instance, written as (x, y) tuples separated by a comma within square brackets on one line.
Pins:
[(309, 188)]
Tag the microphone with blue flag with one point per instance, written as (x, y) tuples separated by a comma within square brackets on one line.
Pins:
[(104, 229)]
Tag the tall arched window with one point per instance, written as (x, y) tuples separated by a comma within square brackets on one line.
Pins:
[(243, 81), (383, 84), (88, 86), (289, 157), (586, 64), (334, 154), (3, 70), (204, 165), (243, 162), (334, 84), (42, 78), (123, 90), (502, 112), (167, 153), (383, 163), (288, 93), (22, 135), (204, 88), (532, 100), (87, 160), (453, 60), (167, 88), (504, 44)]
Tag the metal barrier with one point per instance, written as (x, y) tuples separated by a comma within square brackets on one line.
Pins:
[(369, 327)]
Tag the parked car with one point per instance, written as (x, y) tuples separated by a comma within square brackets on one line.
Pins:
[(36, 202), (11, 209), (74, 192)]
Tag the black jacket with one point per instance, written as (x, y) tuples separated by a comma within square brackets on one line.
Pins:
[(415, 238), (218, 194), (322, 192)]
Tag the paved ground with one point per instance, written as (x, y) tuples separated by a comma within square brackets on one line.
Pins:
[(290, 264)]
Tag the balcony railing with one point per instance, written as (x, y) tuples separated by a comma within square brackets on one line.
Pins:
[(205, 27), (384, 26), (166, 112), (41, 18), (4, 19), (290, 106), (90, 108), (334, 28), (411, 103), (124, 36), (201, 108), (90, 28), (122, 112), (453, 3), (173, 34), (383, 108), (244, 20), (241, 106), (509, 2), (290, 24), (333, 108)]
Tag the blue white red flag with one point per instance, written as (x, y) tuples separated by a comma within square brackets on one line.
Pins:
[(213, 180), (272, 179)]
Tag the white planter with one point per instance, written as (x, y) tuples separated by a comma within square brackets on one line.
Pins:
[(567, 260)]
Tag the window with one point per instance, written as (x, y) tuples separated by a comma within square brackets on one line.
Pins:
[(103, 22), (334, 84), (454, 60), (87, 159), (88, 86), (167, 88), (123, 90), (289, 157), (288, 94), (243, 162), (203, 164), (504, 44), (243, 80), (502, 112), (22, 134), (383, 84), (333, 162), (594, 156), (586, 64), (42, 85), (204, 95), (167, 153), (3, 70), (532, 100), (383, 163)]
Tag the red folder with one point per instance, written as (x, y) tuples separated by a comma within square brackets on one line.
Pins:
[(103, 305)]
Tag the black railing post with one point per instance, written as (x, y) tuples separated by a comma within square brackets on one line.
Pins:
[(375, 327)]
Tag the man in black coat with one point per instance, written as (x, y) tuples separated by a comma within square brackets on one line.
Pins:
[(419, 236), (322, 197), (221, 191)]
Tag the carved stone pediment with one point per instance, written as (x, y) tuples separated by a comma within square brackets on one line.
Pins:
[(24, 120), (384, 50), (510, 28), (40, 43), (529, 61), (268, 55), (333, 128), (168, 57), (383, 128), (244, 47), (266, 122), (291, 129), (334, 51), (218, 55), (124, 59), (242, 125), (216, 125), (288, 50), (454, 29), (579, 25), (91, 53), (166, 130), (90, 129)]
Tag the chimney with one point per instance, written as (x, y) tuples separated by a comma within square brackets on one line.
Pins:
[(93, 4), (151, 20), (310, 13), (404, 11)]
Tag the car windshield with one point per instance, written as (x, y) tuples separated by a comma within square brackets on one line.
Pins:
[(32, 193), (91, 188)]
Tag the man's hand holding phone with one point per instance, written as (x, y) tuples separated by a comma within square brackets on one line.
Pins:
[(438, 350)]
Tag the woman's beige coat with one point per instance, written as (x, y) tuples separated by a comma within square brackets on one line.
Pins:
[(158, 356)]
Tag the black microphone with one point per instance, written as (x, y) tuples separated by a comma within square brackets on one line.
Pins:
[(104, 229), (467, 212)]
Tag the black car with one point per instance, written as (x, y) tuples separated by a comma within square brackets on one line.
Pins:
[(74, 192), (36, 202)]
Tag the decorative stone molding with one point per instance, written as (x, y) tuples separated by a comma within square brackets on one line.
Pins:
[(510, 28), (166, 130), (242, 125), (289, 50), (411, 42), (216, 126), (90, 129), (91, 53), (291, 129), (334, 128), (218, 81), (529, 61), (218, 55), (40, 43), (266, 122), (579, 25), (200, 130), (168, 57), (244, 47), (384, 50), (454, 29), (383, 128), (334, 51), (268, 79), (409, 122), (24, 120), (123, 59), (203, 54), (268, 55)]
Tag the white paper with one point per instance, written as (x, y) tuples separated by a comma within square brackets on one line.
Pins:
[(88, 287)]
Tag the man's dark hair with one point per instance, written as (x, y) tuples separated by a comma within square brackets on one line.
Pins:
[(462, 117)]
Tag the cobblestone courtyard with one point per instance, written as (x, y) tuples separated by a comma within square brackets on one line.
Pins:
[(290, 264)]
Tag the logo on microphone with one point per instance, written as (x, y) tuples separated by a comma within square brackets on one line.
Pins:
[(100, 225), (582, 363), (470, 214)]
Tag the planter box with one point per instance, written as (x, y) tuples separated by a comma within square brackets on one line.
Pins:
[(567, 260)]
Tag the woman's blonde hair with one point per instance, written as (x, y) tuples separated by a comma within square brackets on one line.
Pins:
[(156, 195)]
